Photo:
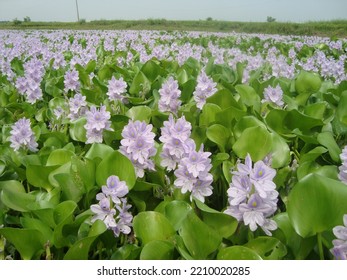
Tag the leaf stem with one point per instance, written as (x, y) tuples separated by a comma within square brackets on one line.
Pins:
[(320, 246)]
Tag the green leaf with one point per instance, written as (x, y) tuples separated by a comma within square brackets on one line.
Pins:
[(237, 253), (220, 135), (316, 204), (268, 248), (98, 150), (280, 151), (32, 223), (126, 252), (28, 242), (140, 85), (151, 70), (157, 250), (77, 130), (80, 249), (208, 114), (327, 140), (246, 143), (224, 99), (306, 84), (116, 164), (38, 176), (59, 157), (222, 223), (200, 239), (249, 96), (341, 111), (139, 113), (70, 189), (14, 189), (176, 211), (150, 225)]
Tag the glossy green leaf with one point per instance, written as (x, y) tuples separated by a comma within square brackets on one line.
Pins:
[(139, 113), (237, 253), (327, 140), (341, 111), (224, 99), (126, 252), (249, 96), (11, 189), (246, 143), (98, 150), (32, 223), (157, 250), (176, 211), (150, 225), (77, 130), (80, 249), (59, 157), (306, 84), (316, 204), (220, 135), (268, 248), (116, 164), (140, 85), (38, 176), (208, 114), (199, 238), (28, 242), (280, 151)]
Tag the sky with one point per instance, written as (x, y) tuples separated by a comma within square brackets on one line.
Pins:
[(231, 10)]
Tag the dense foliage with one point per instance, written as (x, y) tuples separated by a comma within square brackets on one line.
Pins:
[(180, 145)]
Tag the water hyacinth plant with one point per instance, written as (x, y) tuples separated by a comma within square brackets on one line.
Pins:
[(172, 145)]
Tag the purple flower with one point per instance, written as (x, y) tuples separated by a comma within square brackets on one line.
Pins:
[(192, 174), (176, 141), (97, 122), (169, 96), (138, 145), (71, 80), (115, 189), (343, 168), (77, 106), (273, 95), (112, 208), (116, 89), (204, 89), (340, 244), (252, 195), (22, 136)]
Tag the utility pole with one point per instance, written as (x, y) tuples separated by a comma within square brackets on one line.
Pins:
[(78, 14)]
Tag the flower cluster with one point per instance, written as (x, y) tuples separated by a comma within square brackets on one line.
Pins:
[(97, 122), (252, 195), (204, 89), (116, 89), (22, 136), (343, 168), (176, 140), (273, 95), (29, 85), (112, 208), (340, 244), (77, 106), (71, 80), (169, 96), (192, 173), (138, 145)]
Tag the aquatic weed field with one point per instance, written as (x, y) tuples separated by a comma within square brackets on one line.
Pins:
[(172, 145)]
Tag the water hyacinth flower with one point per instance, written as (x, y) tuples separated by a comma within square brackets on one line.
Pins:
[(340, 244), (192, 174), (138, 145), (343, 168), (22, 136), (273, 95), (71, 80), (97, 122), (77, 106), (252, 195), (169, 96), (113, 208), (204, 89), (116, 89), (175, 136)]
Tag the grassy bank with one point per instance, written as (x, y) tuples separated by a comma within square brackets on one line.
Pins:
[(336, 28)]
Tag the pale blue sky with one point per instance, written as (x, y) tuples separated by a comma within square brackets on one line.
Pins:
[(232, 10)]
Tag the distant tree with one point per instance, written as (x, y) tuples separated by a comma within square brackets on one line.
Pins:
[(16, 21), (209, 19), (82, 21), (270, 19), (27, 19)]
